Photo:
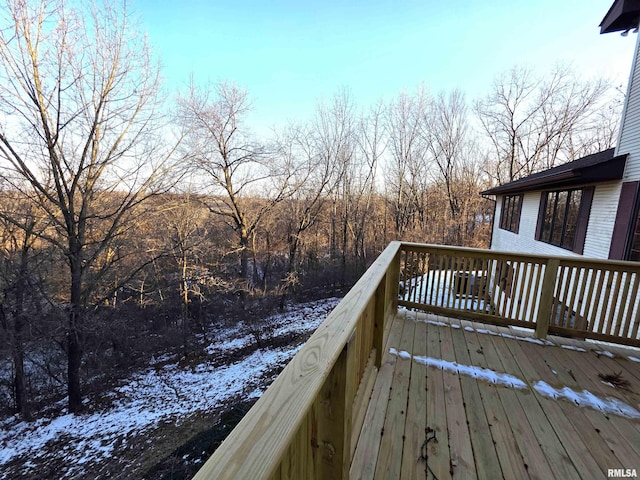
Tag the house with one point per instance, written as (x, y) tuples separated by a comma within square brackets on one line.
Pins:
[(589, 207), (566, 210)]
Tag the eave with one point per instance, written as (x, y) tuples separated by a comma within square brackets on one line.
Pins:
[(623, 15), (560, 177)]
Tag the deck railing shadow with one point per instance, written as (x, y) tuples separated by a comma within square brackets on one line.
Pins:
[(307, 423)]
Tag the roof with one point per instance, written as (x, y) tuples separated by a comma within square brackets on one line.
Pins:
[(623, 15), (598, 167)]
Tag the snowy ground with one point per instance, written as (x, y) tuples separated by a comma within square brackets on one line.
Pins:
[(163, 393)]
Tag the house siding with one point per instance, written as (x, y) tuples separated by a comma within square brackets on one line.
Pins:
[(602, 220), (628, 139), (599, 230)]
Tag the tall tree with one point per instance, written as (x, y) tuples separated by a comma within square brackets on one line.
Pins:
[(241, 169), (371, 145), (20, 280), (78, 101), (314, 178), (446, 135), (533, 122), (408, 170), (333, 129)]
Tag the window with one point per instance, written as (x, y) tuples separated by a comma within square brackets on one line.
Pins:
[(634, 250), (625, 240), (510, 215), (563, 217)]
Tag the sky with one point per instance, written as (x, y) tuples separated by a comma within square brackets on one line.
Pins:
[(290, 55)]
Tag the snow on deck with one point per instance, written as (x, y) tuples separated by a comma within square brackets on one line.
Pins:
[(436, 288)]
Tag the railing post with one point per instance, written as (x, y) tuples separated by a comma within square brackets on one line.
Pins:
[(546, 297), (380, 313), (386, 303), (334, 418), (393, 280)]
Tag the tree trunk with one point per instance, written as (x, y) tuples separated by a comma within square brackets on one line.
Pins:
[(244, 266), (184, 291), (291, 267), (22, 404), (345, 235), (74, 348)]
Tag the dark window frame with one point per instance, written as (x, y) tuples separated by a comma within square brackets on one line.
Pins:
[(556, 206), (510, 213), (623, 245)]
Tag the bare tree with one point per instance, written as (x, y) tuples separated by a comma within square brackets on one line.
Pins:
[(186, 220), (313, 180), (371, 145), (533, 123), (240, 168), (19, 274), (601, 130), (446, 135), (407, 174), (333, 128), (78, 102)]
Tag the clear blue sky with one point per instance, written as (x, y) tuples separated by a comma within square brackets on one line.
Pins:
[(290, 54)]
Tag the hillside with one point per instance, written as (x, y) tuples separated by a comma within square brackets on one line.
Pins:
[(165, 420)]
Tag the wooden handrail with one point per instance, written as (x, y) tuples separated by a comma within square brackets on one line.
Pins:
[(504, 254)]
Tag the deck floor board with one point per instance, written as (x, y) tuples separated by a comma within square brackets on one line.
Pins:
[(428, 422), (480, 432), (391, 444), (461, 451), (436, 452), (415, 423)]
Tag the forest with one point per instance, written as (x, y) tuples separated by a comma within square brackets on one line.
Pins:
[(133, 219)]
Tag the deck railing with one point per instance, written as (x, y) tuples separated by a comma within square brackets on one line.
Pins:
[(573, 296), (306, 424)]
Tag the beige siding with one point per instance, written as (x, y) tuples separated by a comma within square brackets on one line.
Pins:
[(599, 231), (629, 138), (602, 219)]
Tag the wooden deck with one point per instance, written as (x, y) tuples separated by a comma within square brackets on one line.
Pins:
[(362, 399), (425, 422)]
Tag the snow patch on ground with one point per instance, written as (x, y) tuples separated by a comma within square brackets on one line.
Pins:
[(401, 354), (436, 323), (436, 288), (485, 331), (537, 341), (634, 359), (158, 394)]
